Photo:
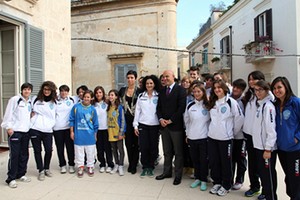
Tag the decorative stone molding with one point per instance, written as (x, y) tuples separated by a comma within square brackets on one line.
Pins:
[(33, 2), (126, 55)]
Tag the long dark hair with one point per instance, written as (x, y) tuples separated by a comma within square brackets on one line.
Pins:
[(204, 97), (256, 75), (213, 97), (288, 89), (95, 91), (52, 87), (155, 81), (117, 102)]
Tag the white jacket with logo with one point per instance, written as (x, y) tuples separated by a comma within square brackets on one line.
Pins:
[(196, 119), (44, 116), (63, 110), (264, 133), (101, 109), (226, 120), (145, 110), (17, 114)]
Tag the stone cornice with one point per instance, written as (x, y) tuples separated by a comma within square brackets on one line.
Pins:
[(126, 55)]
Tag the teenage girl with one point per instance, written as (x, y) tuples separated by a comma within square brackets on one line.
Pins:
[(16, 121), (83, 128), (288, 134), (61, 129), (102, 144), (197, 118), (116, 129), (226, 120), (264, 139), (250, 112), (42, 123)]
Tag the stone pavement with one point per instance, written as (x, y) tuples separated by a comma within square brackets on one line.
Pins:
[(107, 186)]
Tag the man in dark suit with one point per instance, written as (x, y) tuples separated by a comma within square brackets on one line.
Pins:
[(170, 109)]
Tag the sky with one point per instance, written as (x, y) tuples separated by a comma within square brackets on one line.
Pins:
[(190, 14)]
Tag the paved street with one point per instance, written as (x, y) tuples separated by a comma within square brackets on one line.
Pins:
[(106, 186)]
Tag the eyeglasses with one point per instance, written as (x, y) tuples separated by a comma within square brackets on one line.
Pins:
[(47, 89), (259, 90)]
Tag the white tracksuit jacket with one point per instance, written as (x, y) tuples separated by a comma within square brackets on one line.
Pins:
[(196, 119), (226, 121), (264, 132)]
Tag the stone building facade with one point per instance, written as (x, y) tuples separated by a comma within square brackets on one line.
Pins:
[(134, 22)]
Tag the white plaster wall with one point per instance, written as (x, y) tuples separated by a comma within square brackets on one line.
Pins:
[(285, 34)]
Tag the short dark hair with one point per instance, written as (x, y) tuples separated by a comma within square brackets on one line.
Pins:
[(26, 85), (88, 92), (240, 83), (132, 72), (64, 88), (194, 68), (83, 87), (209, 76)]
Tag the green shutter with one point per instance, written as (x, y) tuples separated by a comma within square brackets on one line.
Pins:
[(34, 57)]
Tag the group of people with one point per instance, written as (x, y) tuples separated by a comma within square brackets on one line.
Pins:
[(216, 125)]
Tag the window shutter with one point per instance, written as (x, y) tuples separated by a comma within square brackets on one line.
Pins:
[(34, 57), (269, 24), (120, 74), (221, 46), (227, 43), (256, 26)]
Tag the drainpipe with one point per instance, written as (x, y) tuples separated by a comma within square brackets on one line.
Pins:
[(230, 52)]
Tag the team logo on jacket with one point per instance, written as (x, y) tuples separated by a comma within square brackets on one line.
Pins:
[(204, 112), (103, 106), (286, 114), (29, 108), (68, 103), (51, 105), (88, 116), (114, 113), (155, 101), (223, 109)]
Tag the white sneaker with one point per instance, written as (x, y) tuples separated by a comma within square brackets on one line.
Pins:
[(41, 176), (121, 170), (48, 173), (215, 189), (25, 179), (102, 169), (108, 169), (13, 184), (63, 170), (71, 169), (222, 191), (237, 186), (115, 169)]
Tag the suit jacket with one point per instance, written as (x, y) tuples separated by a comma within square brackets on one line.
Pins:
[(172, 106)]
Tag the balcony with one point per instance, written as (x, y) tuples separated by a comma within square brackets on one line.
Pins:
[(258, 52)]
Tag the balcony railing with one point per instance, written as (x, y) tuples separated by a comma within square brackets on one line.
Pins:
[(257, 52)]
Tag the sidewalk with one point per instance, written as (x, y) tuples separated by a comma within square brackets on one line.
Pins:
[(107, 186)]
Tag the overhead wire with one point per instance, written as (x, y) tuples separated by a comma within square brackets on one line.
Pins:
[(174, 49)]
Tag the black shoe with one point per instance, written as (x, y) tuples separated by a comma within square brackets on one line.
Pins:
[(129, 169), (163, 176), (177, 181), (133, 170)]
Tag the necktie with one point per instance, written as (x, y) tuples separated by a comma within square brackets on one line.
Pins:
[(168, 90)]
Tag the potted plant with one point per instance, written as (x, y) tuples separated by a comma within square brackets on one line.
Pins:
[(215, 59)]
